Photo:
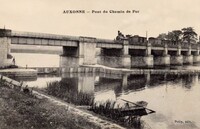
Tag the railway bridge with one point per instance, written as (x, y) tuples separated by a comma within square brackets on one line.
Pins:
[(135, 51)]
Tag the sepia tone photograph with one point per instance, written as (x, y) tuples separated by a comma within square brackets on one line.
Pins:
[(90, 64)]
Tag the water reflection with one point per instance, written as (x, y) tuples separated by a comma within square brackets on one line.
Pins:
[(73, 89), (172, 96), (114, 86)]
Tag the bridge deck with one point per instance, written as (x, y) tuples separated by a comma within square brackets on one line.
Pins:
[(30, 38)]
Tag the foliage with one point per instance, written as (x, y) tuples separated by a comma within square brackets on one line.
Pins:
[(162, 36), (64, 91), (186, 34), (189, 34), (113, 110), (21, 111), (175, 35)]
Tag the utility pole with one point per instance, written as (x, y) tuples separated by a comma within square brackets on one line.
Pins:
[(146, 34)]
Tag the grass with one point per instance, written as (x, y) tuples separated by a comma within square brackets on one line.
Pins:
[(107, 109), (63, 91), (112, 110), (25, 111)]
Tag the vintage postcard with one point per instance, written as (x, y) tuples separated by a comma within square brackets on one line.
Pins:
[(73, 64)]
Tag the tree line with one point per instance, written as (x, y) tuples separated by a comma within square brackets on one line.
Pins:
[(185, 35)]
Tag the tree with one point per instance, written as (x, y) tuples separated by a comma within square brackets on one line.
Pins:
[(175, 35), (189, 35), (162, 36)]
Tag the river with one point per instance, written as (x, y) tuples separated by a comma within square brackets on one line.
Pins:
[(175, 98)]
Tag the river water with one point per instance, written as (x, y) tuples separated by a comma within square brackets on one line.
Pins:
[(175, 98)]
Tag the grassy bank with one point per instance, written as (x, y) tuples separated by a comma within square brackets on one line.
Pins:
[(23, 111)]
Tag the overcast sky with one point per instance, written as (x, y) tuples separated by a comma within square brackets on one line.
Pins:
[(155, 16)]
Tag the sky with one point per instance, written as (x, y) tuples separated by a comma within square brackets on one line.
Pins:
[(46, 16)]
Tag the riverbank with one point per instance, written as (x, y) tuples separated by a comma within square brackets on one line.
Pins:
[(19, 111), (19, 72), (38, 111)]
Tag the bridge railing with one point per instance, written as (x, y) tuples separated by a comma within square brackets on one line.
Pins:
[(43, 35)]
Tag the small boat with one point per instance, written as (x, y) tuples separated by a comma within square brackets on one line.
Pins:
[(142, 103), (137, 108), (126, 109)]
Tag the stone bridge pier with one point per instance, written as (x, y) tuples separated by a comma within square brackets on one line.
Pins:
[(176, 58), (142, 57), (83, 54), (187, 56), (184, 55), (161, 57), (115, 57), (5, 41), (196, 57)]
